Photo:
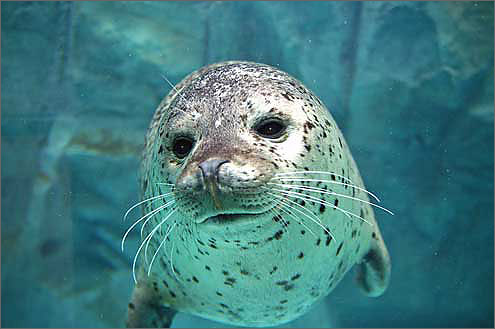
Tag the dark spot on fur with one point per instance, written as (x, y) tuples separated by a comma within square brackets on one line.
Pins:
[(301, 255), (322, 209), (230, 281), (295, 277), (131, 306), (338, 249)]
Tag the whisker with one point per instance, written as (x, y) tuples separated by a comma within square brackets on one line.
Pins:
[(298, 179), (172, 262), (320, 190), (171, 202), (147, 243), (305, 197), (299, 221), (149, 199), (151, 213), (314, 172), (168, 184), (323, 202), (142, 245), (169, 230), (317, 221)]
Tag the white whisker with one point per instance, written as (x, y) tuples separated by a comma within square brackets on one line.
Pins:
[(142, 245), (147, 244), (169, 230), (300, 179), (149, 199), (172, 262), (152, 213), (146, 221), (323, 202), (314, 172), (316, 221), (299, 221), (320, 190)]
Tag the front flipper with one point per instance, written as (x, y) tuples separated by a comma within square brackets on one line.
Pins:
[(146, 309), (374, 270)]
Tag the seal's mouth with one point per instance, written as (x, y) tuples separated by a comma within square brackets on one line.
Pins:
[(227, 218)]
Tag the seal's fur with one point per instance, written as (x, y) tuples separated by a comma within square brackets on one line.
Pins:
[(306, 221)]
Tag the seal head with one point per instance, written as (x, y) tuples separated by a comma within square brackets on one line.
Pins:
[(256, 208)]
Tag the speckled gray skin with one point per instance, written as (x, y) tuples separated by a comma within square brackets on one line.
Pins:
[(250, 270)]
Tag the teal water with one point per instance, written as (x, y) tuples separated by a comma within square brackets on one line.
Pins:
[(409, 83)]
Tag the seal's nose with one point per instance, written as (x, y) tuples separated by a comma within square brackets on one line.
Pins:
[(210, 168)]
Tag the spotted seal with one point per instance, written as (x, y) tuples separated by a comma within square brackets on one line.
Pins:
[(254, 208)]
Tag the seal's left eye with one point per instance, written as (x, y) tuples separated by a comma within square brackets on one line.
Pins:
[(182, 146), (270, 128)]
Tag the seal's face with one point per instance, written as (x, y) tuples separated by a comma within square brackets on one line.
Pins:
[(254, 207), (221, 146)]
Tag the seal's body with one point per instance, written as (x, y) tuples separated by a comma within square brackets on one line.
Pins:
[(257, 208)]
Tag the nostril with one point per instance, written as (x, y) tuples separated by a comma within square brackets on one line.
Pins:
[(210, 168)]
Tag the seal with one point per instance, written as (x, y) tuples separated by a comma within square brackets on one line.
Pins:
[(253, 206)]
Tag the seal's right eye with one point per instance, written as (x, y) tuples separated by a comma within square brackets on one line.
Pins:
[(182, 146)]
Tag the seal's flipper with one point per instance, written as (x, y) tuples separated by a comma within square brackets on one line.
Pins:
[(146, 310), (374, 269)]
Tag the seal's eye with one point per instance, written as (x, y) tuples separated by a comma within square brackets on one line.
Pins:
[(182, 146), (270, 128)]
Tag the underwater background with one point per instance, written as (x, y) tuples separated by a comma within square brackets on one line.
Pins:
[(409, 83)]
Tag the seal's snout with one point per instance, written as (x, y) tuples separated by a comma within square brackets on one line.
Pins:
[(209, 169)]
